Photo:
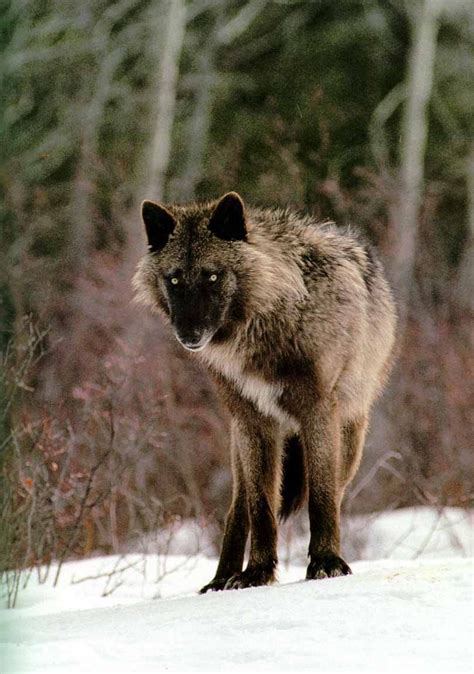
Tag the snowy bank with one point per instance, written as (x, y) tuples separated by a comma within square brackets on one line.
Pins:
[(141, 613), (389, 616)]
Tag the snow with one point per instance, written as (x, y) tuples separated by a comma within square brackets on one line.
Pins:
[(390, 615), (407, 533)]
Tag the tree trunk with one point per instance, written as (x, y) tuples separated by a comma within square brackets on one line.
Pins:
[(414, 134), (199, 123), (165, 97)]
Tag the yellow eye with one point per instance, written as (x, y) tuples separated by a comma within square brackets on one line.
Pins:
[(174, 281), (213, 278)]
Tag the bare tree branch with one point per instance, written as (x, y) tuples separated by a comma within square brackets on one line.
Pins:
[(240, 22)]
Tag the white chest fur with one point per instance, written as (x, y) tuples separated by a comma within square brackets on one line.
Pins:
[(263, 394)]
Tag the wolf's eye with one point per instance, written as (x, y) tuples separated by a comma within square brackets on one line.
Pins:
[(213, 278), (174, 281)]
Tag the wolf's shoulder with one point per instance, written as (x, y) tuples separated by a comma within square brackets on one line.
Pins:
[(290, 226)]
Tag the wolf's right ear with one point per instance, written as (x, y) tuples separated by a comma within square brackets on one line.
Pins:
[(228, 219), (159, 225)]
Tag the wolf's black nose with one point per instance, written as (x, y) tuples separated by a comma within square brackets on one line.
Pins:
[(193, 341)]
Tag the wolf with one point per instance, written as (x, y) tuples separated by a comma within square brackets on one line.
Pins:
[(296, 323)]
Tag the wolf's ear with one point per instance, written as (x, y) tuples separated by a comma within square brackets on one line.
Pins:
[(159, 224), (228, 219)]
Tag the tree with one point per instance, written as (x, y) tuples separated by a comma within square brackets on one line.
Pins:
[(165, 93), (421, 60)]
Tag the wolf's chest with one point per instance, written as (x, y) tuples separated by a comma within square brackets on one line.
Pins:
[(264, 394)]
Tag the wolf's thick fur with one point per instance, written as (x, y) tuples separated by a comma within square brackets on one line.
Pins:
[(296, 323)]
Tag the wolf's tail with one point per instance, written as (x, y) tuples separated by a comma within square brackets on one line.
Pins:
[(294, 484)]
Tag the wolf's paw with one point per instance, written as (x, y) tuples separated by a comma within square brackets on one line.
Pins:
[(214, 586), (327, 565), (251, 578)]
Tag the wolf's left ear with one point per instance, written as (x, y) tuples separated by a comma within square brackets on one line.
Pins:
[(228, 219), (159, 225)]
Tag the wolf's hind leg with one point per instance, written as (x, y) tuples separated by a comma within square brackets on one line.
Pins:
[(353, 437), (322, 438)]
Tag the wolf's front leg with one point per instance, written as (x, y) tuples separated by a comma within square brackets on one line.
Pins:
[(322, 437), (259, 451), (236, 526)]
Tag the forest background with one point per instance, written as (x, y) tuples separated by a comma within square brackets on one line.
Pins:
[(358, 111)]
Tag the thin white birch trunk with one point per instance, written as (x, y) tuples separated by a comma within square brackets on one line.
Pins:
[(199, 123), (414, 136), (165, 96)]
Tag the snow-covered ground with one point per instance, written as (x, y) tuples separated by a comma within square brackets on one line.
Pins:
[(408, 615)]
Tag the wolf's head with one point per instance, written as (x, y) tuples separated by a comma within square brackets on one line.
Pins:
[(191, 272)]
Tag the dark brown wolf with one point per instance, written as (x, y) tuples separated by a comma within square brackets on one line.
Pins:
[(296, 323)]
